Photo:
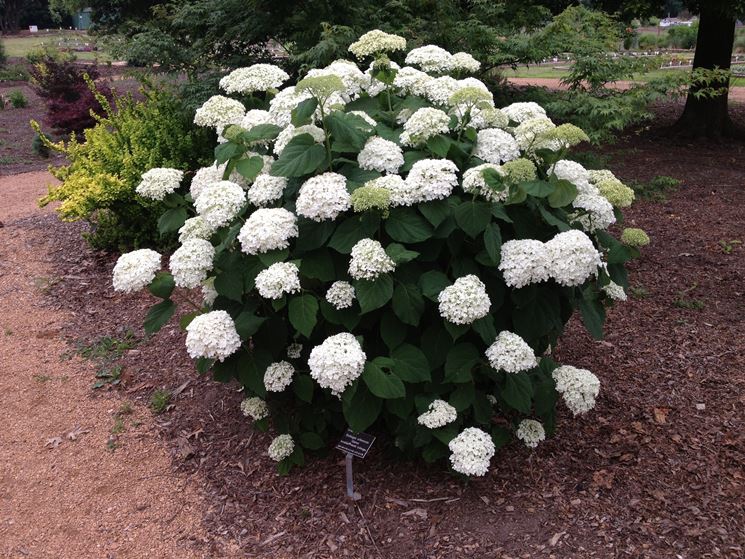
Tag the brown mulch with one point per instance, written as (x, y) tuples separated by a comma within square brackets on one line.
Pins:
[(654, 471)]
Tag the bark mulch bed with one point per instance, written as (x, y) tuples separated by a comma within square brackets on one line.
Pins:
[(654, 471)]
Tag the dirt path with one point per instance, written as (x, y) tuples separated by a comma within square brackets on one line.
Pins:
[(71, 484)]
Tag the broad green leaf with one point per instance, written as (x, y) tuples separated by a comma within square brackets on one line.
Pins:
[(518, 391), (493, 242), (352, 230), (318, 265), (162, 285), (462, 397), (251, 369), (432, 283), (563, 195), (226, 151), (392, 330), (551, 219), (303, 313), (485, 328), (373, 294), (405, 225), (272, 257), (346, 134), (250, 168), (593, 315), (460, 361), (455, 330), (261, 132), (247, 324), (383, 385), (400, 254), (435, 344), (230, 283), (158, 315), (172, 220), (301, 156), (410, 363), (312, 234), (439, 145), (539, 189), (311, 441), (349, 318), (303, 386), (302, 114), (473, 217), (362, 409), (408, 303), (411, 157), (435, 211)]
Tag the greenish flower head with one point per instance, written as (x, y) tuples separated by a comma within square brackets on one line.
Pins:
[(321, 87), (520, 170), (469, 96), (371, 198), (568, 135), (612, 189), (634, 237)]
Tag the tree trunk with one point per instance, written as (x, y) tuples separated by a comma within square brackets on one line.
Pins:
[(708, 116)]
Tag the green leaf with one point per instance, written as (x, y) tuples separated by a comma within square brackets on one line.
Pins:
[(251, 367), (455, 330), (362, 409), (301, 156), (400, 254), (185, 320), (500, 213), (593, 315), (460, 361), (311, 441), (408, 303), (204, 365), (250, 168), (162, 285), (485, 328), (435, 344), (312, 234), (383, 385), (349, 318), (272, 257), (462, 397), (352, 230), (518, 391), (261, 132), (226, 151), (318, 265), (432, 283), (539, 189), (247, 324), (302, 114), (373, 294), (517, 195), (545, 396), (230, 283), (392, 330), (406, 226), (473, 217), (493, 179), (439, 145), (172, 220), (158, 315), (411, 157), (303, 313), (493, 242), (551, 219), (303, 387), (410, 364), (563, 195), (346, 134), (435, 211)]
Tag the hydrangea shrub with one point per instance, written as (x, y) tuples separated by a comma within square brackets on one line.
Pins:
[(385, 249)]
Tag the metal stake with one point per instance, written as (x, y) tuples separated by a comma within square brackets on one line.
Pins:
[(351, 493)]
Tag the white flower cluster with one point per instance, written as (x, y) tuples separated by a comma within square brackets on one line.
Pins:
[(266, 189), (471, 452), (291, 131), (135, 270), (510, 353), (578, 387), (194, 228), (190, 262), (352, 77), (494, 145), (254, 117), (158, 182), (259, 77), (340, 295), (474, 183), (220, 202), (411, 81), (280, 107), (219, 111), (429, 179), (380, 155), (278, 376), (464, 62), (213, 336), (576, 174), (268, 229), (488, 117), (255, 408), (431, 58), (615, 292), (523, 262), (533, 134), (596, 212), (369, 260), (438, 414), (572, 258), (337, 362), (520, 112), (465, 301), (439, 90), (278, 279), (323, 197), (531, 432), (401, 194), (294, 350), (209, 293), (204, 177), (376, 42), (424, 124), (281, 447)]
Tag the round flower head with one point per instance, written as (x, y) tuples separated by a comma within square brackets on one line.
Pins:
[(432, 179), (487, 117), (268, 229), (353, 79), (219, 111), (209, 293), (205, 177), (615, 292), (531, 432), (254, 117), (569, 135), (465, 301), (576, 174), (337, 362), (190, 262), (471, 452), (340, 295), (612, 189), (510, 353), (380, 155), (411, 81), (438, 414), (578, 388), (440, 90), (135, 270), (519, 170), (424, 124), (281, 447), (157, 183), (220, 202), (278, 279), (291, 131), (323, 197), (369, 260), (520, 112), (370, 197), (194, 228), (573, 259), (376, 42), (294, 350), (474, 183), (468, 98), (633, 237), (259, 77), (213, 336), (596, 213), (266, 189), (535, 134), (255, 408), (430, 58), (400, 193), (281, 106), (524, 262), (278, 376), (496, 146), (464, 62)]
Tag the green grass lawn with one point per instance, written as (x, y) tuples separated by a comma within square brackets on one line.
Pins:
[(21, 46)]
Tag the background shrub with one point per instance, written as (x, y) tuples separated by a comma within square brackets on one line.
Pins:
[(98, 184), (18, 99)]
